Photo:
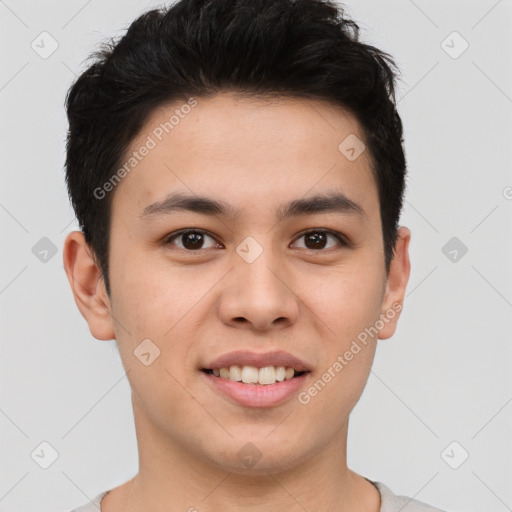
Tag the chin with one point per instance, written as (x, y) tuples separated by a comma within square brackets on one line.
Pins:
[(260, 455)]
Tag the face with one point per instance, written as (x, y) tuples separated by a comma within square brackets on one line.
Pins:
[(269, 269)]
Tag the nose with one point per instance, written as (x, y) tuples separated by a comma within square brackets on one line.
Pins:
[(259, 295)]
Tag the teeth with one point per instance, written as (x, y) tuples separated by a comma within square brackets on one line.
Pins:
[(253, 375), (235, 373), (250, 374), (267, 375)]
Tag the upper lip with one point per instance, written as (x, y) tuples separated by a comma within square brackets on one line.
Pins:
[(260, 360)]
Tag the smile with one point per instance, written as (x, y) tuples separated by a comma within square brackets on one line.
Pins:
[(255, 393), (248, 374)]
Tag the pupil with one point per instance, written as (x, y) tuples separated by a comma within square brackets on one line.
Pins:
[(193, 239), (318, 239)]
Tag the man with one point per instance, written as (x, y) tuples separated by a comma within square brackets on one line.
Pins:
[(237, 171)]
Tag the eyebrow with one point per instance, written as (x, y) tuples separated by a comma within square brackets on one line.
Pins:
[(324, 203)]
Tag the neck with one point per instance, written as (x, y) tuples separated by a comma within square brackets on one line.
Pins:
[(172, 478)]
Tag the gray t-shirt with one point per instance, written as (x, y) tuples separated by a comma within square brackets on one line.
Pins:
[(389, 502)]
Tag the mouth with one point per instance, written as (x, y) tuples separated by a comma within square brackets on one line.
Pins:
[(252, 375), (254, 387), (256, 379)]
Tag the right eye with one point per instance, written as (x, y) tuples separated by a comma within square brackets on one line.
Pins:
[(190, 239)]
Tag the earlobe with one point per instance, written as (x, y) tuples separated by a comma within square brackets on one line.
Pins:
[(396, 284), (87, 285)]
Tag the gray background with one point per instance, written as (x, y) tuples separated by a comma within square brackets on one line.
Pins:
[(444, 377)]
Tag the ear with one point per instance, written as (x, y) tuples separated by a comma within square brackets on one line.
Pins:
[(88, 286), (398, 276)]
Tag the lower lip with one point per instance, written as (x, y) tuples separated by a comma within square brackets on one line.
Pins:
[(257, 395)]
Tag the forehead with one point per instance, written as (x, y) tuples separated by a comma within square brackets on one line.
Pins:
[(236, 147)]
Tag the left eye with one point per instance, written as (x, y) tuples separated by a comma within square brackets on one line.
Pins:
[(317, 239)]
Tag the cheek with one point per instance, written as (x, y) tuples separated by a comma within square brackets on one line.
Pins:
[(154, 307), (348, 304), (160, 392), (151, 297), (348, 349), (151, 330), (347, 299)]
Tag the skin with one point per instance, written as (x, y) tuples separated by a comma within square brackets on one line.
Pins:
[(312, 302)]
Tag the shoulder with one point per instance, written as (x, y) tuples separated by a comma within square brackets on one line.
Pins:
[(391, 502), (92, 505)]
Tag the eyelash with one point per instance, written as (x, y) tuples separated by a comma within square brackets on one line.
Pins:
[(338, 236)]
